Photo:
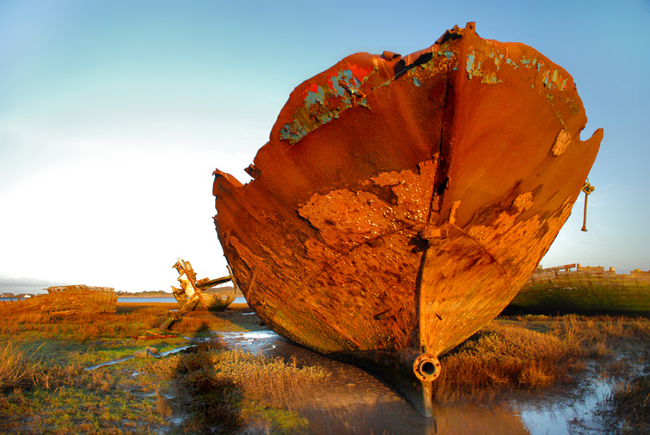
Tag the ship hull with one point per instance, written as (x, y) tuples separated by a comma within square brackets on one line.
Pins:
[(586, 290), (402, 202), (66, 300)]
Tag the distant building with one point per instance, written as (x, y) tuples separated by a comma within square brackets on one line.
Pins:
[(7, 295), (23, 296)]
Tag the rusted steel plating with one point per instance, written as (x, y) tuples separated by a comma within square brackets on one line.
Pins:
[(402, 201)]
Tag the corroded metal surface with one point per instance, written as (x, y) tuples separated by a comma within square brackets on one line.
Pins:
[(401, 202)]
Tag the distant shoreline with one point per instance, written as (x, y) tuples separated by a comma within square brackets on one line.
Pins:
[(156, 295), (146, 295)]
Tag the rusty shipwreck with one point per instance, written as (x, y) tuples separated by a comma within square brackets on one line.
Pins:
[(402, 201)]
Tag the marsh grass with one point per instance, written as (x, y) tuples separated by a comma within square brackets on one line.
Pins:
[(504, 357), (532, 353), (594, 299), (627, 409), (67, 399), (44, 389), (86, 326), (16, 370), (232, 386), (215, 389), (130, 320)]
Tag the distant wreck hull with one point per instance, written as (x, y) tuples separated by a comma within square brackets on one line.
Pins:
[(66, 300), (585, 290), (402, 202)]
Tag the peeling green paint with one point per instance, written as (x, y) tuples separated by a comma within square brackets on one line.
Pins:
[(448, 54), (476, 71), (345, 80), (322, 104), (470, 64), (317, 97), (554, 81), (416, 81), (293, 132), (512, 62)]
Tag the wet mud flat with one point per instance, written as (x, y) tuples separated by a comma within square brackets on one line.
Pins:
[(355, 402), (97, 384)]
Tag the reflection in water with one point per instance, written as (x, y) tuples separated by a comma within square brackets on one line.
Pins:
[(354, 402), (570, 413)]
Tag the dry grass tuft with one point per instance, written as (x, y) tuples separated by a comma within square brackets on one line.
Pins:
[(271, 381), (232, 386), (504, 357), (19, 371), (16, 370)]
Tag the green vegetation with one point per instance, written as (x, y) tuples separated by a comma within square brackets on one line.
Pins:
[(583, 299)]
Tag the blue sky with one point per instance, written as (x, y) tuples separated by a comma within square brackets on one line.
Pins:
[(113, 115)]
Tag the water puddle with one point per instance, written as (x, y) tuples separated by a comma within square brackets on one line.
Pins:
[(355, 402), (121, 360), (108, 363), (566, 415)]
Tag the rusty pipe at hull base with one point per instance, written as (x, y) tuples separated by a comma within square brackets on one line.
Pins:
[(426, 368)]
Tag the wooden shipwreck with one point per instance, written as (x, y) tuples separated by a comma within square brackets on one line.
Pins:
[(402, 201), (199, 294), (202, 293), (66, 300), (572, 288)]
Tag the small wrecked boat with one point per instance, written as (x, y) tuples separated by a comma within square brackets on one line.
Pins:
[(66, 300), (203, 293), (402, 201), (577, 289)]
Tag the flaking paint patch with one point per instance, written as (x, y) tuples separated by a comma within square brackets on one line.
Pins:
[(324, 104), (469, 65), (562, 142), (553, 80), (474, 69)]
